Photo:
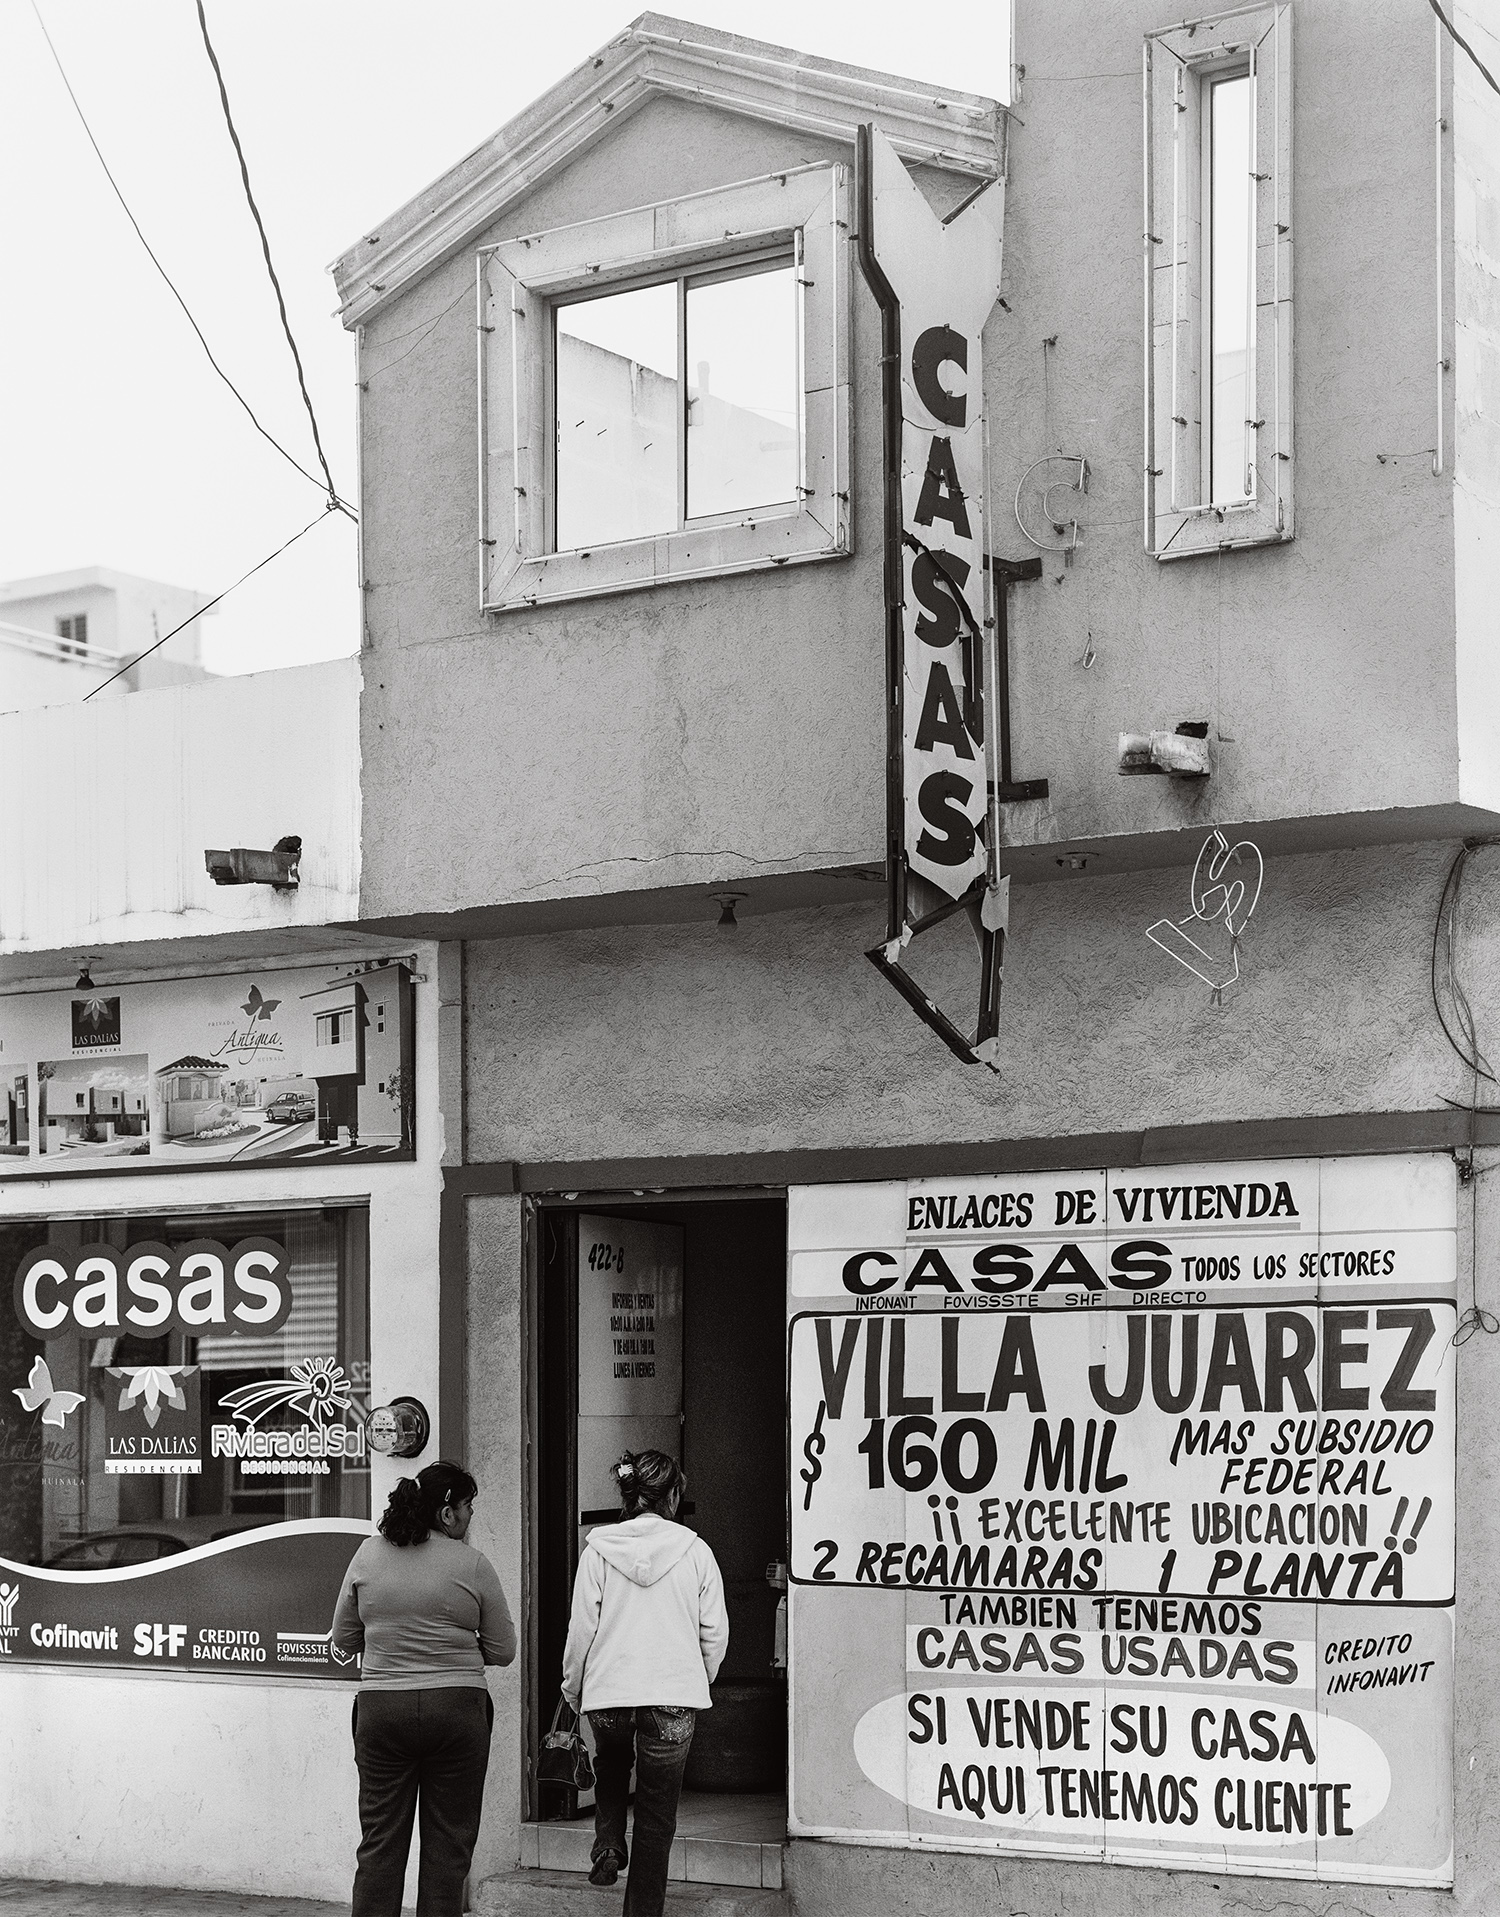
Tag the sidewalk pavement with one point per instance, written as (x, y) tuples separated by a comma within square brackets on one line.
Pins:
[(21, 1897)]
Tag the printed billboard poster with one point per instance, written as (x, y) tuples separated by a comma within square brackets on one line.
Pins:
[(1123, 1515), (184, 1473), (253, 1601), (257, 1068)]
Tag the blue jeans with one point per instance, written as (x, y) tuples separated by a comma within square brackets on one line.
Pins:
[(659, 1737), (430, 1747)]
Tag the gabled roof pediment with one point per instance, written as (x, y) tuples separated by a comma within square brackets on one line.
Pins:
[(960, 133)]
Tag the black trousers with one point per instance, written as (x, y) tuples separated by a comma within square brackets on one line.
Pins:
[(659, 1736), (420, 1753)]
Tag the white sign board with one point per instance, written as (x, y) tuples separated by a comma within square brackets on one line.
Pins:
[(947, 279), (1135, 1492), (629, 1350)]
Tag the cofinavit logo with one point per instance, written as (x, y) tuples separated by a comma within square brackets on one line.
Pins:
[(9, 1629)]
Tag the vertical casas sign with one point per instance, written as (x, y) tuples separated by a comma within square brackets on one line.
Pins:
[(936, 285)]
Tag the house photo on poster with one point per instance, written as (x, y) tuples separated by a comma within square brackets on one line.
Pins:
[(258, 1068), (1123, 1515), (183, 1468)]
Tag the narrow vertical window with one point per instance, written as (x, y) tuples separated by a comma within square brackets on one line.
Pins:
[(1218, 251), (1230, 155)]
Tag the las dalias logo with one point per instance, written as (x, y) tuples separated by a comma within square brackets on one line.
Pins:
[(96, 1022), (137, 1442), (151, 1386)]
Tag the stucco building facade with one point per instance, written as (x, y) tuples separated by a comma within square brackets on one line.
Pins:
[(647, 787), (1089, 1412)]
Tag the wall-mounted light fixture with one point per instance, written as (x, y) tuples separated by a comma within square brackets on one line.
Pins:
[(726, 902), (1182, 754), (240, 866)]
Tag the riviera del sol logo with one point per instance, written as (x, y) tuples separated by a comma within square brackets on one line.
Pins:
[(319, 1392)]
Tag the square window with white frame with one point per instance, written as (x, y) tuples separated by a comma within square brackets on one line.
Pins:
[(665, 392), (1218, 246)]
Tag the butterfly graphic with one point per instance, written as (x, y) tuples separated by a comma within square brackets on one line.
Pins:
[(257, 1007), (40, 1394)]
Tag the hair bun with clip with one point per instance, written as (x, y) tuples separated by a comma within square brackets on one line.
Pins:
[(625, 1471)]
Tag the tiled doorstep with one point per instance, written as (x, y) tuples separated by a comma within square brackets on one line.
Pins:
[(694, 1860)]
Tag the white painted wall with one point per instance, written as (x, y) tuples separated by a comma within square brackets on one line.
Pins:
[(106, 809), (34, 673), (240, 1784)]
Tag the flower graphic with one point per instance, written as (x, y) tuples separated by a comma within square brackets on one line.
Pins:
[(153, 1383), (40, 1394), (317, 1388), (96, 1012)]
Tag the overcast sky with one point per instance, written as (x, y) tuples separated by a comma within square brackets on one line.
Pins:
[(118, 445)]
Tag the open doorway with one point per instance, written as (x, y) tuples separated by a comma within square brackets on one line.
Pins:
[(683, 1349)]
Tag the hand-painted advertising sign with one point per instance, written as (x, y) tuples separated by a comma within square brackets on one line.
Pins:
[(947, 279), (268, 1068), (1123, 1515)]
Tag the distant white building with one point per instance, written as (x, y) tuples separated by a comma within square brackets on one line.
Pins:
[(64, 633)]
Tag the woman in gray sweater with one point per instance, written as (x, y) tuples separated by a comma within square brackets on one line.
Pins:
[(427, 1613)]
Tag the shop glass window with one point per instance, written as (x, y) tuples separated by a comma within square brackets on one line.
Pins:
[(1219, 453), (676, 402), (334, 1028), (251, 1426)]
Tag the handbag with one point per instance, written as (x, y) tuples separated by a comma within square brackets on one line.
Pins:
[(564, 1757)]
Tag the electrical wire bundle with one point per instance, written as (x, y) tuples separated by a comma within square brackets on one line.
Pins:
[(335, 503), (1445, 979)]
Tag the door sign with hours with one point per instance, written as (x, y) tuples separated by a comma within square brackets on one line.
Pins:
[(629, 1351)]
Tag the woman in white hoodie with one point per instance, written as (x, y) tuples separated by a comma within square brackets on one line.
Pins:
[(646, 1639)]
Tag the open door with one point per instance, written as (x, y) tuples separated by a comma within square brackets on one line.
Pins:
[(661, 1325), (611, 1363)]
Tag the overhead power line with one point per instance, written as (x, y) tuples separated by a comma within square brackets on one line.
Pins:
[(1459, 40), (265, 247), (130, 664), (270, 438)]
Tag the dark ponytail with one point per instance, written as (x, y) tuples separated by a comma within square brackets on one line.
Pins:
[(647, 1480), (412, 1511)]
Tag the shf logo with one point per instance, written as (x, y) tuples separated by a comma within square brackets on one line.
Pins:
[(160, 1640)]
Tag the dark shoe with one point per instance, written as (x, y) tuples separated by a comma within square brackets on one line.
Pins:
[(606, 1870)]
